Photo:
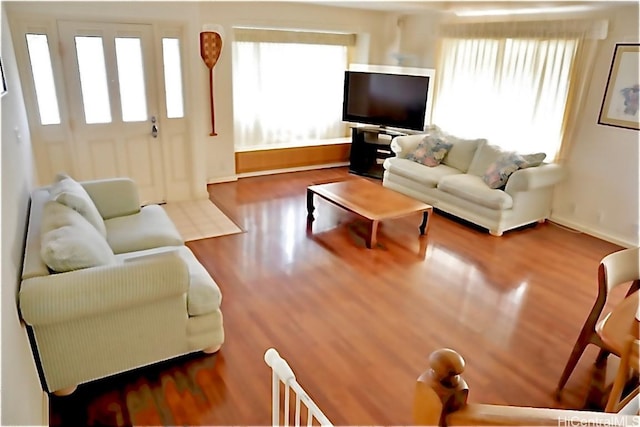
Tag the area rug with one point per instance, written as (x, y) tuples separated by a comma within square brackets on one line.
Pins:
[(200, 219)]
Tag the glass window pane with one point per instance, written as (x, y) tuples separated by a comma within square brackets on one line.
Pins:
[(131, 79), (172, 77), (40, 58), (93, 79)]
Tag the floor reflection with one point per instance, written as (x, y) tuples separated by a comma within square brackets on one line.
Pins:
[(486, 306), (175, 392)]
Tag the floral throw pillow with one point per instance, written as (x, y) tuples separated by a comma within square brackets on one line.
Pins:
[(499, 171), (431, 150)]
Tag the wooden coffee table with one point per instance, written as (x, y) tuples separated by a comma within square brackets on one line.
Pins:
[(369, 200)]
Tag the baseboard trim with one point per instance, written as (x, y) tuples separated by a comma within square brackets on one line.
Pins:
[(296, 169), (566, 222)]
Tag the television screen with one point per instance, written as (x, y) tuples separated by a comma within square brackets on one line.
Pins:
[(390, 100)]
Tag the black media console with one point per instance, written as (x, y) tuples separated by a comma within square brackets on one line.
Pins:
[(369, 148)]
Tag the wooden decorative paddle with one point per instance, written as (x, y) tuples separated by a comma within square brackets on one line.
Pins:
[(210, 47)]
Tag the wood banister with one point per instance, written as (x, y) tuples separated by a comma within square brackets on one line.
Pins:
[(498, 415), (441, 399)]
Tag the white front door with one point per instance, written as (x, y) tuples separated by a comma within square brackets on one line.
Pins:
[(109, 73)]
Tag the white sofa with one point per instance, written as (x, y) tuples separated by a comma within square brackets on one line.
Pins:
[(456, 185), (126, 291)]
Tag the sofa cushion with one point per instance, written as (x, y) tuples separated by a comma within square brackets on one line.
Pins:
[(473, 189), (462, 151), (69, 242), (149, 228), (498, 172), (430, 151), (429, 176), (70, 193), (203, 296)]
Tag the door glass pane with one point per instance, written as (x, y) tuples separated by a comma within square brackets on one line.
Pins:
[(131, 79), (172, 77), (93, 79), (40, 59)]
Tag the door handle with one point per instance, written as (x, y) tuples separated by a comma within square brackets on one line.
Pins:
[(154, 127)]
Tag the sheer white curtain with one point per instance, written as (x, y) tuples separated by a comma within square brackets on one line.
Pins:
[(287, 93), (512, 92), (512, 83)]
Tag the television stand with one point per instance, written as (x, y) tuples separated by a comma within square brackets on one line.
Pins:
[(369, 148), (383, 130)]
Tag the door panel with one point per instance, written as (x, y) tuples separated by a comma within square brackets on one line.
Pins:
[(104, 159), (141, 148), (117, 141)]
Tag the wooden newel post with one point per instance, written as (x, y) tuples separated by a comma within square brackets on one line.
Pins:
[(440, 390)]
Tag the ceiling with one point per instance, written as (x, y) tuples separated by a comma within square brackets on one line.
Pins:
[(504, 7)]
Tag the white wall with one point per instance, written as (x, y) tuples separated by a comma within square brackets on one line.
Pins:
[(23, 401), (419, 39), (600, 195)]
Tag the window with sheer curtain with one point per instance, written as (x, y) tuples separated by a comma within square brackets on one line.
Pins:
[(511, 91), (287, 87)]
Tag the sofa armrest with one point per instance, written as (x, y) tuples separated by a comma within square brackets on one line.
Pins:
[(113, 197), (403, 145), (88, 292), (545, 175)]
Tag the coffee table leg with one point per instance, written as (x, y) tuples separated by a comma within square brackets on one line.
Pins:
[(426, 216), (310, 209), (373, 235)]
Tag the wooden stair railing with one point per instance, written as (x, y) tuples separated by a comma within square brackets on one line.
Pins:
[(441, 399)]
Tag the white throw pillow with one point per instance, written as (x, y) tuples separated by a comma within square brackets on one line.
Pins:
[(70, 193), (56, 215), (462, 150), (69, 242)]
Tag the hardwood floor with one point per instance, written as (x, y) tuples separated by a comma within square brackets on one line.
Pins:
[(357, 325)]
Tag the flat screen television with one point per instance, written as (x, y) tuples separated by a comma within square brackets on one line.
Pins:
[(388, 99)]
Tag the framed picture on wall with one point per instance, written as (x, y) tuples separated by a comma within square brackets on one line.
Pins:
[(620, 102), (3, 86)]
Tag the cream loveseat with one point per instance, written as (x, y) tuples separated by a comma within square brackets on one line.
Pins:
[(456, 182), (108, 286)]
